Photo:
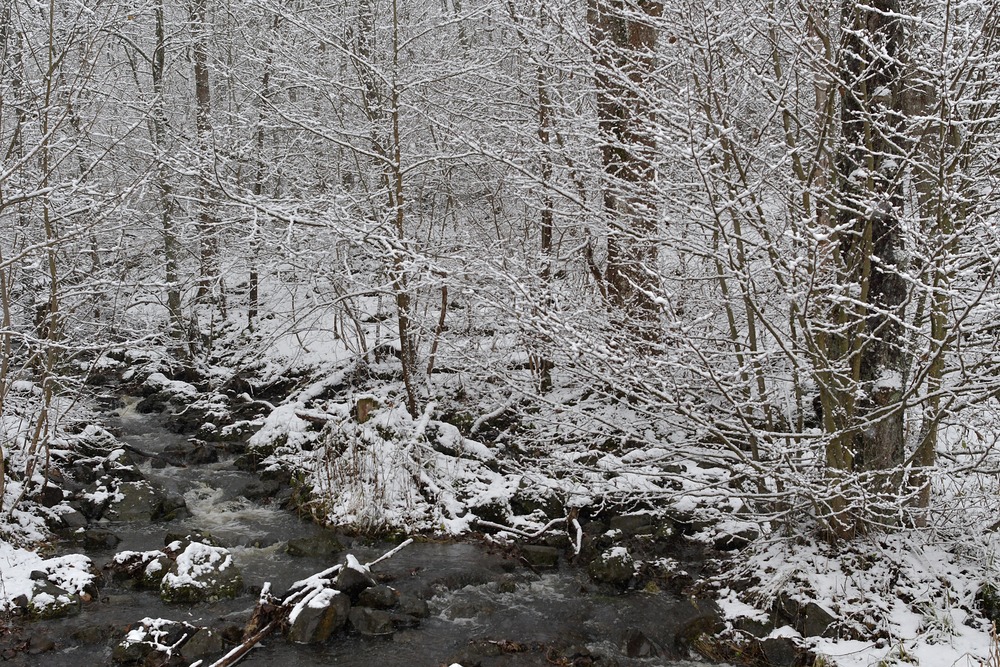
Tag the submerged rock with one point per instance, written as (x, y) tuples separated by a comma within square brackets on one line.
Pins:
[(40, 643), (411, 605), (201, 573), (540, 557), (194, 452), (320, 546)]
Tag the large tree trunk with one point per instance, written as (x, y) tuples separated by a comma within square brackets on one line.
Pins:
[(871, 347), (168, 206), (209, 288), (624, 53)]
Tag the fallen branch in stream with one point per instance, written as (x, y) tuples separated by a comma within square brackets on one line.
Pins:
[(272, 613), (571, 521), (517, 531), (238, 652)]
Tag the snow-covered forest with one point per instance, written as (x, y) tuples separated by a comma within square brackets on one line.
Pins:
[(517, 270)]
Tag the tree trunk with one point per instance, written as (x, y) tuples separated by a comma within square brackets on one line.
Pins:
[(868, 210), (383, 113), (168, 206), (260, 175), (209, 288), (624, 54)]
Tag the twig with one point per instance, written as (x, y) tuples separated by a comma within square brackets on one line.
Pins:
[(392, 552), (579, 537)]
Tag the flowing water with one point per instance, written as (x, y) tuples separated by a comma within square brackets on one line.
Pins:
[(461, 581)]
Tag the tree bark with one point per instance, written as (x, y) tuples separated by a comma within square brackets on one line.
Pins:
[(624, 47), (208, 236), (872, 346), (168, 206)]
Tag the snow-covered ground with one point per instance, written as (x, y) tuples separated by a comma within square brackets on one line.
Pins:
[(906, 597)]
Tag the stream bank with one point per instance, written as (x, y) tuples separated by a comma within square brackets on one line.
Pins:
[(485, 605)]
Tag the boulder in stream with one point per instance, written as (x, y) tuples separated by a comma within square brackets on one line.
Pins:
[(353, 578), (51, 601), (204, 643), (315, 618), (319, 546), (58, 587), (201, 573), (379, 597), (96, 538), (152, 641), (615, 566), (136, 501), (145, 569)]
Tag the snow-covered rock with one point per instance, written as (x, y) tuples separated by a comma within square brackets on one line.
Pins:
[(614, 566), (315, 618), (201, 573)]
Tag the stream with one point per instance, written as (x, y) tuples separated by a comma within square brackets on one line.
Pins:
[(475, 597)]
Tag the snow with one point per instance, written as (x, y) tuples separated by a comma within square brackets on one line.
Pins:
[(889, 380), (616, 553), (160, 382), (72, 573), (905, 586), (354, 564), (25, 387), (196, 561), (733, 607)]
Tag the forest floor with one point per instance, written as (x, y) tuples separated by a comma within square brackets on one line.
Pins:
[(339, 431)]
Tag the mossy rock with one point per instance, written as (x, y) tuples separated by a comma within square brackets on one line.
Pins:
[(136, 501), (49, 601), (145, 569), (144, 643), (201, 573), (615, 566)]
